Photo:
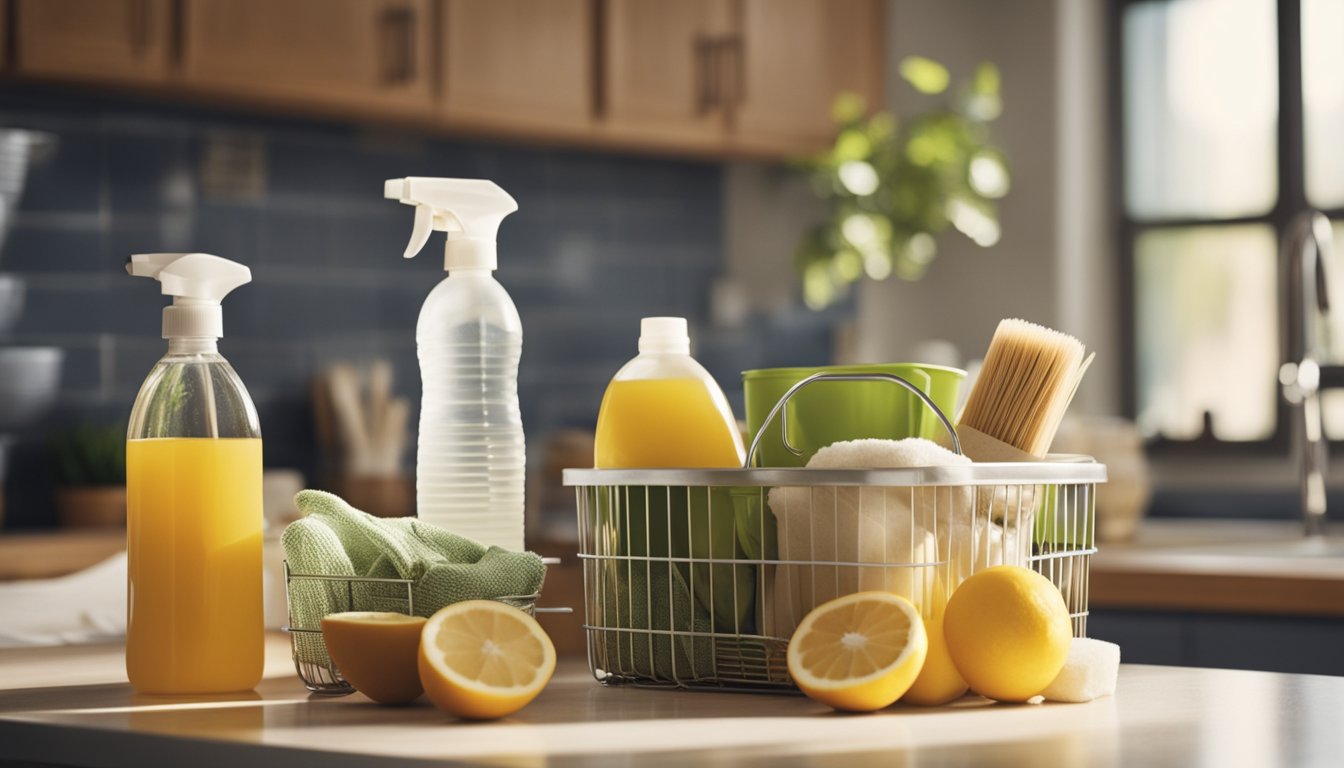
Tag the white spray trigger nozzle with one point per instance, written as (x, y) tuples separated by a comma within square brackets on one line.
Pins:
[(469, 210), (197, 282), (428, 220)]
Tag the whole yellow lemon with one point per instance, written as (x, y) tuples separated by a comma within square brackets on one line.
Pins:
[(938, 682), (1008, 632)]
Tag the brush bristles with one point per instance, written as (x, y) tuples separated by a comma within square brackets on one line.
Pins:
[(1026, 382)]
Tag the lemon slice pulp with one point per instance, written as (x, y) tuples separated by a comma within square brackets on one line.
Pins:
[(859, 652), (483, 659)]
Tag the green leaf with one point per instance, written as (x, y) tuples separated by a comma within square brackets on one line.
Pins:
[(986, 82), (848, 108), (851, 144), (926, 75)]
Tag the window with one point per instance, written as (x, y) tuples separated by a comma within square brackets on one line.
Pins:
[(1232, 122)]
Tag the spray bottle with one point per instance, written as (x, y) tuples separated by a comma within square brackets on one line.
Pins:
[(471, 461), (193, 497)]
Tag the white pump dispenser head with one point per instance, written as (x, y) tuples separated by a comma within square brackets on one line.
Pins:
[(197, 282), (469, 210)]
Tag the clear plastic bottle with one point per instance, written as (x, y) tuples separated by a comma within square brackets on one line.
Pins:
[(193, 498), (471, 459)]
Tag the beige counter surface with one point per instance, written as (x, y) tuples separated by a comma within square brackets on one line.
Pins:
[(1224, 566), (72, 706)]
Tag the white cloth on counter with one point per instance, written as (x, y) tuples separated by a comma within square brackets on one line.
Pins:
[(905, 532), (84, 607), (90, 606)]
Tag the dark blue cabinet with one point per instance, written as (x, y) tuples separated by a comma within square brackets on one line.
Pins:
[(1269, 643)]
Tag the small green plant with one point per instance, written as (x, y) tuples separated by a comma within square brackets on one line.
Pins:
[(892, 186), (90, 455)]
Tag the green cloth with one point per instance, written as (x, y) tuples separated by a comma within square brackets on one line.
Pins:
[(335, 539), (643, 600)]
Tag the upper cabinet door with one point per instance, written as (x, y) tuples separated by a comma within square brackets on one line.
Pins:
[(791, 61), (365, 54), (116, 40), (527, 65), (663, 71)]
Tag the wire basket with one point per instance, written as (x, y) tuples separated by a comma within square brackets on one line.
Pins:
[(353, 593), (697, 578)]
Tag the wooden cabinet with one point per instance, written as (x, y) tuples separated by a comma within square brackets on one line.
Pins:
[(4, 35), (794, 58), (94, 40), (370, 55), (663, 71), (756, 76), (526, 65), (707, 77)]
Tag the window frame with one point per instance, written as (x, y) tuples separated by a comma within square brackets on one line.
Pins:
[(1291, 199)]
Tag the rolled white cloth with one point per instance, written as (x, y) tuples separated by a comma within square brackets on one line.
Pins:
[(84, 607), (895, 529)]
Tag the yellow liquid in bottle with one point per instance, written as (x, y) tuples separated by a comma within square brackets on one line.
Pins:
[(665, 423), (193, 529)]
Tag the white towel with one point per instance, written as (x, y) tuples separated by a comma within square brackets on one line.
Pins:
[(907, 530), (84, 607)]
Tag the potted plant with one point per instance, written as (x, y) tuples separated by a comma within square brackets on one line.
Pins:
[(891, 186), (91, 477)]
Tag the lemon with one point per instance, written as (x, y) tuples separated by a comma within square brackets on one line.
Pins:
[(1008, 632), (376, 653), (859, 652), (939, 681), (483, 659)]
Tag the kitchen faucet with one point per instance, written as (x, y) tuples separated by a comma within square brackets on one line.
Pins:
[(1307, 245)]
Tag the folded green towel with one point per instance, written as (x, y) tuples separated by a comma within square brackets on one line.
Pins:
[(335, 539), (643, 601)]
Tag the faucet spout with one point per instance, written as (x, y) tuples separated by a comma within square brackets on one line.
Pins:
[(1307, 248)]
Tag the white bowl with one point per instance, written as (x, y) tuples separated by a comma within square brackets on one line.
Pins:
[(30, 378), (11, 301)]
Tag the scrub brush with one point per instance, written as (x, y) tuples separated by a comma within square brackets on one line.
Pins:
[(1026, 382)]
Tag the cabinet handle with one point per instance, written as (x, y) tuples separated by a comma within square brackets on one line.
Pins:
[(704, 74), (138, 21), (734, 46), (398, 43)]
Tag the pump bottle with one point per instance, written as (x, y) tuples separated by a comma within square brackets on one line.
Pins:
[(193, 497), (471, 460)]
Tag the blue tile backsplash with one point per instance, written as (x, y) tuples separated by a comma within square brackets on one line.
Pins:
[(599, 241)]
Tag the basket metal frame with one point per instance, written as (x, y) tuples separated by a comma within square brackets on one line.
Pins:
[(1060, 487), (326, 679)]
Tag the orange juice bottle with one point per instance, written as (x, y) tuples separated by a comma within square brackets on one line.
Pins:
[(663, 409), (193, 498)]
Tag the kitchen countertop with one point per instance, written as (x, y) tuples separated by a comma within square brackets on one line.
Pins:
[(72, 706), (1224, 566)]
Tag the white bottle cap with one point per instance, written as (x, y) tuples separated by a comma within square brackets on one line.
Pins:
[(197, 282), (664, 335)]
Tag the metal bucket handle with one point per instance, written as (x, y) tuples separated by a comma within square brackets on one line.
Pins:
[(784, 418)]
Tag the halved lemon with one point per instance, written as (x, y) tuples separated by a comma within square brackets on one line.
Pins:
[(376, 653), (859, 652), (483, 659)]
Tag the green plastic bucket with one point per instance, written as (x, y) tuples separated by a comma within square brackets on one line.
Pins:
[(831, 411)]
